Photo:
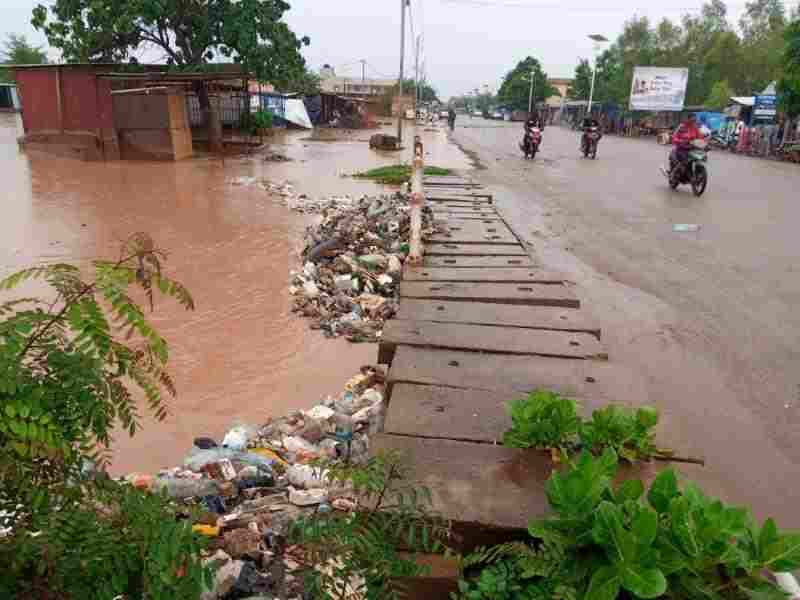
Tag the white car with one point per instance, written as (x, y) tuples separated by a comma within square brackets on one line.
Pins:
[(444, 114), (477, 113), (497, 115)]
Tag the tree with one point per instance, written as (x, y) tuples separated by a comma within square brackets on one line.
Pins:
[(190, 33), (306, 83), (427, 93), (789, 84), (720, 96), (515, 89), (581, 85), (17, 51)]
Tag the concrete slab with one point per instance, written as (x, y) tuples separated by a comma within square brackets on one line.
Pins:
[(464, 415), (598, 379), (491, 339), (476, 275), (471, 262), (483, 484), (532, 294), (450, 249), (480, 313)]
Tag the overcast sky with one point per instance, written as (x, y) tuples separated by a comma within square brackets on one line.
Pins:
[(468, 43)]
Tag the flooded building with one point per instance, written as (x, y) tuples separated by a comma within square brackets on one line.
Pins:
[(99, 112)]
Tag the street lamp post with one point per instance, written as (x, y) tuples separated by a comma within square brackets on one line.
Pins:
[(530, 94), (597, 39)]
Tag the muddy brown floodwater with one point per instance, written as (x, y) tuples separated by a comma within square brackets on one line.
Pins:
[(241, 355)]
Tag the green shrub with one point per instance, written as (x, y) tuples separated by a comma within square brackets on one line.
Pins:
[(261, 119), (548, 421), (67, 365), (605, 542)]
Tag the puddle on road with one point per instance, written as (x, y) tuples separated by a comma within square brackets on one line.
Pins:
[(242, 355)]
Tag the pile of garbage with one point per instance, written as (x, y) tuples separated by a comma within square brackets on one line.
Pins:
[(353, 263), (251, 487)]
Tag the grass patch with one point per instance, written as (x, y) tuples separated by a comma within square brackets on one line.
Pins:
[(398, 174)]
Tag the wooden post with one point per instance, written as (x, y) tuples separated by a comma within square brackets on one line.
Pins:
[(417, 202), (59, 100)]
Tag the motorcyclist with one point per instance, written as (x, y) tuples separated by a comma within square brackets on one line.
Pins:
[(586, 125), (682, 140), (532, 122)]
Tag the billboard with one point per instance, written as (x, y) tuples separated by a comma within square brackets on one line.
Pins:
[(764, 108), (658, 88)]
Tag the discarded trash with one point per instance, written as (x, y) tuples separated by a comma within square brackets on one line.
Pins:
[(186, 488), (307, 477), (205, 443), (206, 530), (236, 439), (307, 497), (684, 227), (353, 261)]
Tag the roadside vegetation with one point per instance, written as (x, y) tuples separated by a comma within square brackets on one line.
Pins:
[(608, 540), (398, 174)]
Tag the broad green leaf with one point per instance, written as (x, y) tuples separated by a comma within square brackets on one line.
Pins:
[(647, 417), (608, 528), (645, 527), (645, 583), (783, 554), (683, 526), (632, 489), (663, 489), (671, 559), (604, 585), (768, 535)]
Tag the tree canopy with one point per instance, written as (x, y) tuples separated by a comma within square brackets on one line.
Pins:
[(748, 58), (789, 84), (515, 89), (720, 95), (17, 51), (581, 85), (189, 33)]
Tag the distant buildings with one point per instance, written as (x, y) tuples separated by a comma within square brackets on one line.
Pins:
[(367, 87), (562, 85)]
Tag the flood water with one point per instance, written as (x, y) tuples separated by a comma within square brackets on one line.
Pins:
[(241, 356)]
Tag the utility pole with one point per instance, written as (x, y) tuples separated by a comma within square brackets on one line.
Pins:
[(402, 64), (363, 70), (530, 95), (416, 75)]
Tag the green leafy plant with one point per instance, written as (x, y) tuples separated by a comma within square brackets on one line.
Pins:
[(398, 174), (359, 555), (543, 420), (631, 434), (261, 119), (605, 542), (67, 366), (547, 421)]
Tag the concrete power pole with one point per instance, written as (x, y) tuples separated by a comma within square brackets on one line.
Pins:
[(416, 75), (363, 70), (530, 96), (402, 64)]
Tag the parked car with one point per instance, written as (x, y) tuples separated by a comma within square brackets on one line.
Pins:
[(497, 115), (477, 113), (443, 114)]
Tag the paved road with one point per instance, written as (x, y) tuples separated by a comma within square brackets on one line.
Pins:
[(711, 317)]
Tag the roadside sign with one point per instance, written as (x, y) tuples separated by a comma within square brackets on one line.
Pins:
[(765, 108), (658, 89)]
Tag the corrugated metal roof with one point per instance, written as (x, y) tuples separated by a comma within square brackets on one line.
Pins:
[(744, 100)]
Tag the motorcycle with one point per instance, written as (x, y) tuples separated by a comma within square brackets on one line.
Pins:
[(530, 143), (693, 170), (591, 137)]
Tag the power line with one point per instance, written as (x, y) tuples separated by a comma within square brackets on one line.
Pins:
[(562, 7)]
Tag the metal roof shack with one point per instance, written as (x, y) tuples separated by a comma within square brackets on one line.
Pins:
[(103, 111)]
